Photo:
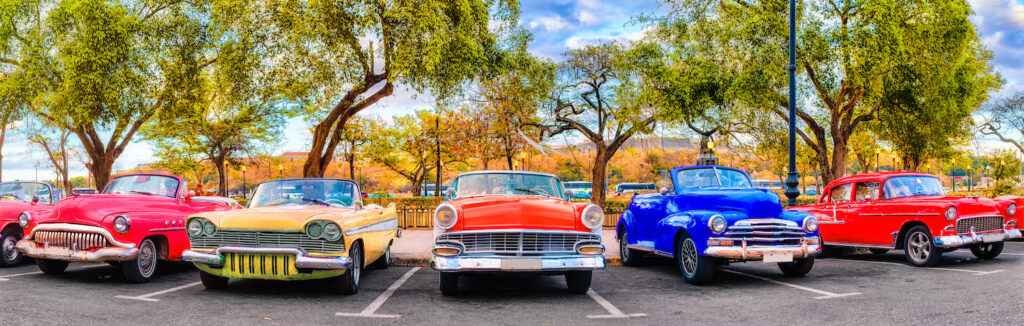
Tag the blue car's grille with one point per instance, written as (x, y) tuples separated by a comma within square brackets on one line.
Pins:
[(775, 231)]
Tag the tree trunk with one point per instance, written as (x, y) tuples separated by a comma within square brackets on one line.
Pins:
[(597, 175), (100, 170), (508, 158), (351, 166), (485, 164), (437, 147)]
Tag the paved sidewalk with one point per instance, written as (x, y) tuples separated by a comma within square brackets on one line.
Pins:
[(413, 248)]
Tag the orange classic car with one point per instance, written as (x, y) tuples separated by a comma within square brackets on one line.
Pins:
[(515, 221)]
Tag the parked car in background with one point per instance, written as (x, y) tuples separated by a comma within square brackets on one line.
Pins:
[(515, 221), (429, 189), (137, 220), (17, 198), (634, 188), (580, 189), (712, 217), (911, 212), (767, 184), (83, 191), (811, 192), (294, 229)]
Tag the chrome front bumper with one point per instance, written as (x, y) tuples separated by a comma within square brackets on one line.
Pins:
[(955, 241), (31, 249), (484, 263), (303, 260), (808, 247)]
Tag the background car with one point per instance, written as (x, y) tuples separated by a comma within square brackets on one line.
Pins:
[(911, 211), (712, 217), (428, 190), (515, 221), (580, 189), (83, 191), (17, 197), (137, 220), (629, 188), (294, 229)]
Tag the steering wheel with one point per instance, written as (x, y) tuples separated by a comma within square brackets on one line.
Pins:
[(541, 190), (335, 202)]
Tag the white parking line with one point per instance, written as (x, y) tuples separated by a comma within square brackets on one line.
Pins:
[(613, 312), (370, 310), (5, 277), (149, 297), (1012, 254), (975, 272), (824, 294)]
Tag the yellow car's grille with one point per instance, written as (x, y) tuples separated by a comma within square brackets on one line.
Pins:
[(256, 265), (266, 239)]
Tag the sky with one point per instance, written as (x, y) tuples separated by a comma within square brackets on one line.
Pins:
[(559, 25)]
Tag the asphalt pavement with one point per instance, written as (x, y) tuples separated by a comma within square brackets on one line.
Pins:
[(856, 289)]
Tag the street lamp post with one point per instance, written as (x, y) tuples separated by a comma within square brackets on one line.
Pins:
[(280, 170), (793, 180), (244, 191), (878, 166)]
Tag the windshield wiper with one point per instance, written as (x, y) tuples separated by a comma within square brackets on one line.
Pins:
[(140, 192), (530, 191), (316, 201)]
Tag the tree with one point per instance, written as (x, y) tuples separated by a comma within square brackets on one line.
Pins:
[(605, 98), (852, 54), (12, 105), (53, 142), (354, 54), (354, 137), (102, 69), (1004, 118), (403, 147)]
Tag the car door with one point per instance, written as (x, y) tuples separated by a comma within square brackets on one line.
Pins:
[(866, 222), (832, 214)]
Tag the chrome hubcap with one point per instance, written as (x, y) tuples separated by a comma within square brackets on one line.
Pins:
[(623, 249), (688, 253), (919, 247), (9, 252), (357, 265), (147, 258)]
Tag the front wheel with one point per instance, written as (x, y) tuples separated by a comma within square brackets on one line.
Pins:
[(449, 283), (50, 266), (987, 250), (579, 281), (920, 249), (384, 261), (213, 282), (143, 268), (9, 254), (629, 257), (696, 269), (348, 283), (798, 267)]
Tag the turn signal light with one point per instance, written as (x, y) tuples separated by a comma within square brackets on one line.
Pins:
[(446, 251), (719, 242), (591, 250)]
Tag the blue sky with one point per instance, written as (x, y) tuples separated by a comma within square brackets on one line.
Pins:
[(559, 25)]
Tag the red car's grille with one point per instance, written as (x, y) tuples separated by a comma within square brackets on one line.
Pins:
[(980, 224), (524, 242), (73, 240)]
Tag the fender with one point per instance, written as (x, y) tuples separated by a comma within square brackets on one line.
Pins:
[(626, 224), (665, 242)]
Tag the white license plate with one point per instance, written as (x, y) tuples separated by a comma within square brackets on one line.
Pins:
[(992, 237), (520, 264), (778, 257)]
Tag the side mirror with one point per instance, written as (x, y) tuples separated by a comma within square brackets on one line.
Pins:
[(568, 193), (663, 191), (189, 195), (358, 205), (35, 199), (449, 193)]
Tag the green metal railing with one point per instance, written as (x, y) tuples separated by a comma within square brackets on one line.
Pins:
[(418, 218)]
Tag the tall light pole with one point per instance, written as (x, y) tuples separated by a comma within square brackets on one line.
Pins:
[(878, 154), (793, 180), (244, 191)]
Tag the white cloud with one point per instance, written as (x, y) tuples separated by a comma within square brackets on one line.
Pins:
[(550, 23), (999, 11)]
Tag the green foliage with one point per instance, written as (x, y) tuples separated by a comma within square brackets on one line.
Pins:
[(78, 182)]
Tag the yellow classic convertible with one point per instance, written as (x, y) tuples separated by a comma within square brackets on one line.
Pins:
[(294, 229)]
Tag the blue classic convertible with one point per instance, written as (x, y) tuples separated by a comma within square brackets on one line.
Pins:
[(711, 217)]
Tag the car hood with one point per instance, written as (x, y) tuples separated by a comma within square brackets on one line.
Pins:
[(515, 212), (966, 206), (755, 203), (92, 209), (287, 217)]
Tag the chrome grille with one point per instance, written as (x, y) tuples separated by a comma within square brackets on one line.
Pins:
[(73, 240), (776, 231), (980, 224), (266, 239), (524, 242)]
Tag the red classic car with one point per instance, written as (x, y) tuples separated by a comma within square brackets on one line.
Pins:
[(515, 221), (17, 197), (911, 211), (138, 219)]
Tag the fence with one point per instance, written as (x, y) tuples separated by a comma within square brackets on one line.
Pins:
[(418, 218)]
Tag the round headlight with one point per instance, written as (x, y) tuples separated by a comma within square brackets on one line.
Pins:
[(122, 224), (24, 219), (951, 213), (810, 224), (195, 228), (314, 230), (209, 229), (1012, 209), (332, 232), (717, 224), (445, 216), (593, 217)]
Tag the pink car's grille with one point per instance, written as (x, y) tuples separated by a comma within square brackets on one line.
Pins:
[(980, 224), (519, 242), (73, 240)]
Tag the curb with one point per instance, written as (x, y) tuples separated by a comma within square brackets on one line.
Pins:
[(413, 261)]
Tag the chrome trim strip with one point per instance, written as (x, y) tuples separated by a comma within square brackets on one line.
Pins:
[(858, 245), (68, 227), (302, 259), (31, 249), (385, 225), (165, 229), (494, 263), (516, 231)]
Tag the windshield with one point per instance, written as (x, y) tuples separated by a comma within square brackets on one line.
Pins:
[(25, 191), (577, 185), (911, 186), (712, 177), (480, 184), (144, 185), (309, 192)]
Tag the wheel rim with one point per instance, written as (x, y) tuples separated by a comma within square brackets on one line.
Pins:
[(688, 254), (357, 265), (623, 248), (147, 258), (387, 255), (920, 248), (10, 254), (984, 249)]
